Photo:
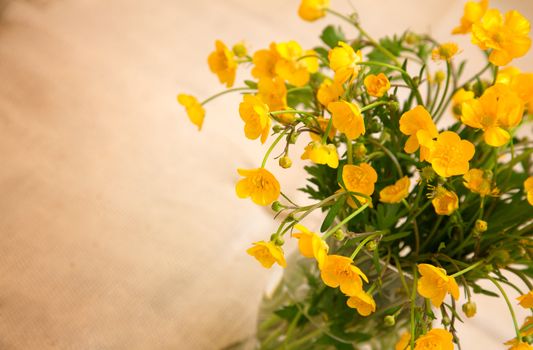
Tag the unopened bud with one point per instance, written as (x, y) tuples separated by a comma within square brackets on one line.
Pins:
[(394, 106), (239, 49), (277, 128), (439, 77), (276, 239), (285, 162), (427, 174), (339, 235), (446, 320), (481, 226), (371, 246), (389, 320), (359, 151), (412, 38), (501, 258), (277, 206), (470, 309), (416, 81), (293, 138)]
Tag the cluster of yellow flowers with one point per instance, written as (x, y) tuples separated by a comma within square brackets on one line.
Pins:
[(285, 68)]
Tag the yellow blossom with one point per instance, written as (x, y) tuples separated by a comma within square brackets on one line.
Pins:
[(526, 300), (506, 75), (267, 253), (477, 181), (528, 188), (458, 98), (445, 202), (435, 284), (435, 339), (273, 92), (473, 11), (359, 178), (418, 125), (240, 49), (265, 62), (194, 109), (395, 193), (449, 155), (258, 184), (340, 271), (320, 153), (311, 10), (343, 61), (310, 244), (254, 113), (521, 346), (522, 85), (404, 342), (444, 52), (222, 63), (329, 92), (498, 109), (377, 85), (323, 124), (363, 302), (347, 118), (291, 66), (506, 38)]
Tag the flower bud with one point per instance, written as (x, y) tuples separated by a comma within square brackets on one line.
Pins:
[(285, 162), (394, 106), (277, 128), (416, 81), (371, 246), (239, 49), (439, 77), (293, 138), (412, 38), (276, 239), (481, 226), (427, 174), (501, 258), (277, 206), (389, 320), (470, 309), (446, 320), (359, 151), (339, 235)]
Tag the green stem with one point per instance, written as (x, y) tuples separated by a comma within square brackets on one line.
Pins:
[(511, 310), (328, 129), (296, 89), (293, 111), (469, 268), (363, 243), (389, 154), (347, 219), (349, 151), (413, 299), (271, 148), (223, 93), (372, 105), (443, 98)]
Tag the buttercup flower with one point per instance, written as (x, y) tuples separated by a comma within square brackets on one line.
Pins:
[(265, 62), (194, 109), (526, 300), (445, 202), (323, 124), (457, 101), (310, 244), (395, 193), (508, 38), (258, 184), (506, 75), (522, 85), (528, 188), (343, 61), (311, 10), (499, 108), (449, 155), (444, 52), (254, 113), (404, 342), (340, 271), (435, 339), (376, 85), (222, 63), (521, 346), (418, 125), (267, 253), (359, 178), (291, 66), (476, 181), (363, 302), (347, 118), (329, 92), (273, 92), (473, 11), (435, 284), (320, 153)]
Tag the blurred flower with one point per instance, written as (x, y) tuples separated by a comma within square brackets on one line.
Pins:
[(445, 202), (403, 342), (267, 253), (222, 63), (395, 193), (521, 346), (310, 244), (449, 155), (435, 284), (258, 184), (273, 92), (323, 124), (418, 125), (343, 61), (254, 113), (377, 85), (347, 118), (265, 62), (444, 52), (240, 49), (329, 92), (435, 339), (320, 153), (363, 302), (473, 11), (458, 98), (477, 181), (194, 109), (528, 188), (526, 300), (339, 271), (506, 75), (291, 65), (311, 10)]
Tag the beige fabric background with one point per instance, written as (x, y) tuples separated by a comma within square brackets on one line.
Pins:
[(118, 221)]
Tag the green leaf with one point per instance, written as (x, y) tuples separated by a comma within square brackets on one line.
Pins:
[(333, 211), (251, 84), (331, 36)]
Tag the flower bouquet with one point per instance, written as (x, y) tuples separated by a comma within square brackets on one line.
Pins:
[(414, 213)]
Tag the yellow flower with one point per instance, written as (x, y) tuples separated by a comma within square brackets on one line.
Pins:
[(498, 108), (528, 188), (457, 101), (258, 184), (363, 302), (240, 49), (254, 113), (449, 155), (329, 92), (418, 125), (343, 61), (320, 153), (267, 253), (444, 52), (347, 118), (507, 38), (265, 62), (339, 270), (222, 63), (404, 342), (194, 109), (395, 193), (478, 182), (521, 346), (435, 339), (291, 66), (273, 92), (522, 85), (311, 10), (377, 85), (445, 202), (473, 11), (359, 178), (506, 75), (526, 300), (310, 244), (323, 124), (435, 284)]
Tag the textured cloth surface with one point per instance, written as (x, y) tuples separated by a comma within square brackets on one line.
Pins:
[(119, 224)]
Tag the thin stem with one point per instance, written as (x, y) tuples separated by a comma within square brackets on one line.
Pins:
[(349, 151), (362, 245), (293, 111), (372, 105), (326, 133), (296, 89), (271, 148), (413, 298), (225, 92), (347, 219), (389, 154), (511, 310), (443, 98), (469, 268)]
